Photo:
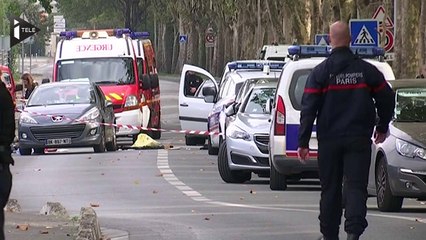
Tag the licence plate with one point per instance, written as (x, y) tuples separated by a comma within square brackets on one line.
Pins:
[(60, 141)]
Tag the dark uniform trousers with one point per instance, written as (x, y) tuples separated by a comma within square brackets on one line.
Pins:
[(349, 157), (5, 188)]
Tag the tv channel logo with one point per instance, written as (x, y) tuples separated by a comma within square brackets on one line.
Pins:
[(21, 30)]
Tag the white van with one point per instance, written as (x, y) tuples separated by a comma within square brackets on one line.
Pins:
[(283, 139), (274, 52)]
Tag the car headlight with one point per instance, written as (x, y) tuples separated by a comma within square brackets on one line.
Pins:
[(237, 133), (25, 118), (131, 101), (90, 115), (409, 150)]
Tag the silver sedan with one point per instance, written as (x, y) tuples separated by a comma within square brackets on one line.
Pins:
[(247, 135)]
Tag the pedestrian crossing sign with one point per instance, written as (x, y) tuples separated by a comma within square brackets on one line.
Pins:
[(364, 32), (183, 38), (322, 39)]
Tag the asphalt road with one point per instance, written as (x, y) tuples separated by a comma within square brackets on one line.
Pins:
[(178, 194)]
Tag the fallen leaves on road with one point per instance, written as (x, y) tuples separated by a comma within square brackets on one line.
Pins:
[(23, 227), (94, 204)]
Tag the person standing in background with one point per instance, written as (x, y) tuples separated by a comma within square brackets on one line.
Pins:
[(29, 84)]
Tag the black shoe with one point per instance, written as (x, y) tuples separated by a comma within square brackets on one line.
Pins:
[(353, 236)]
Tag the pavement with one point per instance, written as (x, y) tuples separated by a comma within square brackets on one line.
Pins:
[(32, 226), (25, 226)]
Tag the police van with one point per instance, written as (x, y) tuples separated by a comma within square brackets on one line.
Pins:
[(107, 58), (286, 106), (204, 110)]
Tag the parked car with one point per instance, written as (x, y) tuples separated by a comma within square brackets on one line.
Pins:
[(286, 111), (64, 115), (398, 167), (245, 149)]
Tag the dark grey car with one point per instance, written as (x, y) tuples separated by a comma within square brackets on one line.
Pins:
[(64, 115), (398, 167)]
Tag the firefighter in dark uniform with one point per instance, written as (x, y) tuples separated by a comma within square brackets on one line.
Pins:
[(343, 93), (192, 83), (7, 134)]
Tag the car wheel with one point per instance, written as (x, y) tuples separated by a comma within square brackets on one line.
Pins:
[(112, 146), (190, 140), (156, 134), (225, 172), (25, 151), (277, 181), (211, 150), (100, 148), (38, 150), (386, 202)]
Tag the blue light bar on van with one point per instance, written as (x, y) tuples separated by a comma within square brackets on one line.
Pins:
[(139, 35), (255, 65), (68, 34), (305, 51), (120, 31), (309, 50), (367, 52)]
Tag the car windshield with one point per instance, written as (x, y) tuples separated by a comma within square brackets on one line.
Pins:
[(60, 94), (256, 103), (99, 70), (410, 105), (249, 83)]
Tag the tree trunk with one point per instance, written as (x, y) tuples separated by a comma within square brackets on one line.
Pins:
[(175, 49), (422, 33)]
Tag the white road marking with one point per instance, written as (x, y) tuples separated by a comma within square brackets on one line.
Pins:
[(168, 175)]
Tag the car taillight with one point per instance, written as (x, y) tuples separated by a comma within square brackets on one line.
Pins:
[(280, 117)]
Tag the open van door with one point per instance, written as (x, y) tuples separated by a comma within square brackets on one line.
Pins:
[(196, 103)]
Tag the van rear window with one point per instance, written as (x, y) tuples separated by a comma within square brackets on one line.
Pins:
[(100, 70), (297, 87)]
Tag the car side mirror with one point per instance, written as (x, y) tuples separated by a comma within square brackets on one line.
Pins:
[(45, 80), (145, 82), (19, 87), (209, 91), (269, 105), (108, 103)]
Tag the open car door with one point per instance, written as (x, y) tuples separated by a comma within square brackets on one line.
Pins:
[(194, 107)]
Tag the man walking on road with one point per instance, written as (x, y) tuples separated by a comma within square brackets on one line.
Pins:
[(343, 94), (7, 134)]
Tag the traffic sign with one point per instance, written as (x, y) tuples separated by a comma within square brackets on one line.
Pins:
[(322, 39), (364, 32), (379, 15), (389, 41), (210, 38), (59, 23), (183, 38), (5, 43)]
